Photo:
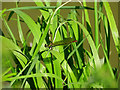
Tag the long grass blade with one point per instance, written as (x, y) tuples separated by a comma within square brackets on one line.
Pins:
[(96, 25), (76, 48), (20, 31), (30, 23), (40, 69), (10, 32), (87, 20), (34, 75), (43, 8), (30, 70), (69, 73), (112, 22), (91, 42), (110, 68)]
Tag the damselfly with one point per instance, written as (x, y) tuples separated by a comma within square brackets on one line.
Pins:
[(65, 41)]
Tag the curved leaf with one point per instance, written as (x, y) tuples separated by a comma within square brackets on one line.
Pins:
[(30, 23)]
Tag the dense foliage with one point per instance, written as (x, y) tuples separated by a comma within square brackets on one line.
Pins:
[(66, 66)]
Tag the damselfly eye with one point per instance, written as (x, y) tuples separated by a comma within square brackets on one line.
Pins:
[(46, 45)]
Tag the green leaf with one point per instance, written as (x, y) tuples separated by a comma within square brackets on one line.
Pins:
[(20, 30), (87, 19), (44, 13), (40, 69), (58, 55), (15, 50), (74, 26), (70, 75), (96, 25), (7, 76), (1, 13), (30, 69), (112, 22), (57, 70), (10, 15), (34, 75), (92, 45), (10, 31), (5, 72), (30, 23), (76, 48)]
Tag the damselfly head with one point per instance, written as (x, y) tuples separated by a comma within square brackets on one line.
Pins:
[(50, 48)]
